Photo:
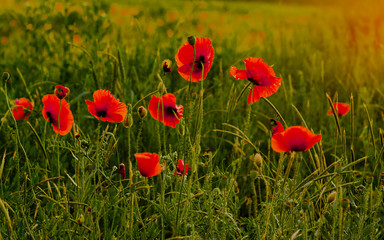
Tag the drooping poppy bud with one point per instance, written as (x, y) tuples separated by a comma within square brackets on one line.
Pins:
[(331, 197), (142, 111), (192, 40)]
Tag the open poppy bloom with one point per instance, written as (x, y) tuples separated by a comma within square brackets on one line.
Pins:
[(204, 57), (296, 138), (51, 111), (106, 107), (261, 75), (22, 109), (149, 165), (180, 168), (340, 108), (165, 109)]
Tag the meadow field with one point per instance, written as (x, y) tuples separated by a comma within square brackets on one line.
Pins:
[(181, 119)]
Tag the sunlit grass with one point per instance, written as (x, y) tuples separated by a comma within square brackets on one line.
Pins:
[(69, 187)]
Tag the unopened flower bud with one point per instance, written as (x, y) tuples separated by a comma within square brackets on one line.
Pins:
[(81, 220), (128, 121), (142, 111), (331, 197), (61, 91), (258, 160), (192, 40), (339, 168), (121, 170), (254, 174), (167, 65)]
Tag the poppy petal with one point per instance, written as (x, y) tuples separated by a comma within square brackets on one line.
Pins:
[(148, 163)]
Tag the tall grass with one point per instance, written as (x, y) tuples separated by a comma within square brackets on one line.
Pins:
[(324, 54)]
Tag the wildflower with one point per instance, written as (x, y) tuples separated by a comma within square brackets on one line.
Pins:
[(261, 75), (181, 168), (22, 109), (204, 57), (128, 121), (340, 108), (121, 170), (55, 107), (106, 107), (61, 91), (165, 109), (148, 163), (296, 138), (167, 65)]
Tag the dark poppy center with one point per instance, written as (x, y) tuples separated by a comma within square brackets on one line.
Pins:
[(102, 114), (171, 111), (50, 118), (255, 82), (199, 63)]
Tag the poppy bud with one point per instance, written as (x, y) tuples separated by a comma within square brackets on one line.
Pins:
[(258, 160), (61, 91), (167, 65), (192, 40), (142, 111), (128, 121), (77, 136), (345, 203), (81, 220), (121, 170), (331, 197), (6, 76), (254, 174)]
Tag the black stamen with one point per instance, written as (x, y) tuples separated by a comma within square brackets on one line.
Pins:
[(200, 62), (50, 118), (102, 114)]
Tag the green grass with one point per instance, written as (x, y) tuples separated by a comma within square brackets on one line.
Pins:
[(317, 50)]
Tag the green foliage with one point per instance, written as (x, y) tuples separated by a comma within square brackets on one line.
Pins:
[(68, 187)]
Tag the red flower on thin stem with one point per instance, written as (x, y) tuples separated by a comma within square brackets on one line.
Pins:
[(165, 109), (295, 138), (261, 75), (340, 108), (53, 107), (181, 168), (22, 109), (61, 91), (106, 107), (148, 163), (204, 57)]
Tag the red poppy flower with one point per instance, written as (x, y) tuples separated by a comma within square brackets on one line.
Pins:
[(106, 107), (61, 91), (261, 75), (22, 109), (340, 108), (167, 66), (296, 138), (180, 168), (166, 110), (149, 165), (204, 56), (51, 110)]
